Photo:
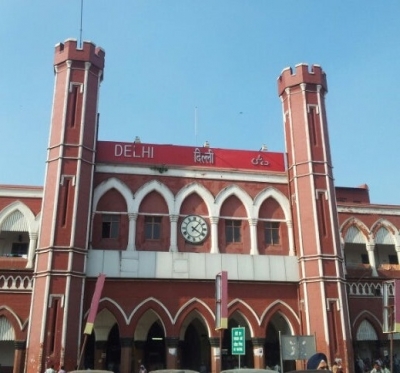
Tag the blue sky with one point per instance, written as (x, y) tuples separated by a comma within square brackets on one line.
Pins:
[(164, 58)]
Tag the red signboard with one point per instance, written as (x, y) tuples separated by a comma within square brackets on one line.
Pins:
[(174, 155)]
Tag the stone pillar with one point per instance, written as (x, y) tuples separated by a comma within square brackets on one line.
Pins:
[(215, 355), (258, 352), (174, 233), (132, 231), (214, 235), (289, 225), (139, 355), (397, 248), (126, 355), (171, 353), (19, 356), (32, 247), (253, 236), (371, 258), (99, 355)]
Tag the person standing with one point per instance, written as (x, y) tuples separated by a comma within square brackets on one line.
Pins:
[(377, 367), (50, 369)]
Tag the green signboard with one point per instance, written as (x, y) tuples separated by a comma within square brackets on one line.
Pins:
[(238, 341)]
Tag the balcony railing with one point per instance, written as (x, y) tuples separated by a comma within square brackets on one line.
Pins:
[(17, 282)]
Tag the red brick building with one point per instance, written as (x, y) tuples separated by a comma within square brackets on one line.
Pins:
[(303, 256)]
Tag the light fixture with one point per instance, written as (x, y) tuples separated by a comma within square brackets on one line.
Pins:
[(263, 148), (206, 144), (137, 140)]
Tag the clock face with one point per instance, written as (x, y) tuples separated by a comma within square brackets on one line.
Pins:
[(194, 228)]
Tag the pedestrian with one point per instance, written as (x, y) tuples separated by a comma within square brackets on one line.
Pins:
[(377, 367), (142, 369), (62, 369), (50, 369), (317, 361)]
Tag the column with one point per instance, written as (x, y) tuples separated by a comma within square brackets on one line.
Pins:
[(19, 356), (174, 233), (258, 352), (171, 353), (215, 355), (126, 355), (253, 236), (289, 225), (371, 258), (32, 247), (214, 235), (132, 231), (99, 356), (397, 248)]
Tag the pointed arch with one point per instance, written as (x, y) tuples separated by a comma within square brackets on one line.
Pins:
[(368, 316), (156, 186), (147, 319), (201, 309), (384, 232), (193, 188), (13, 319), (354, 230), (277, 195), (112, 183), (105, 320), (233, 190), (286, 311), (20, 217)]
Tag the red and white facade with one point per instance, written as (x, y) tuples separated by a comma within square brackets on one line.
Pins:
[(303, 256)]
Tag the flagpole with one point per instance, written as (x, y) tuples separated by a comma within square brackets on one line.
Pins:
[(78, 365)]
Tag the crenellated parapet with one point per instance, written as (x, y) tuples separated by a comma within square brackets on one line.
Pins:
[(87, 53), (303, 74)]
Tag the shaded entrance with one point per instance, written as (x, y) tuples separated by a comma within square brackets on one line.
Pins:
[(195, 349), (272, 346)]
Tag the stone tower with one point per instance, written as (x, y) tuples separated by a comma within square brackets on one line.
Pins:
[(323, 301), (56, 312)]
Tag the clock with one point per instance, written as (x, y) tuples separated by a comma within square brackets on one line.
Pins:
[(194, 229)]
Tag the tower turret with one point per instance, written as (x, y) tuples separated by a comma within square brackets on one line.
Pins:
[(324, 308), (56, 311)]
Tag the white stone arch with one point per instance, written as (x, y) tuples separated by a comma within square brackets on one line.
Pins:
[(245, 305), (144, 324), (109, 184), (284, 305), (277, 195), (193, 188), (31, 223), (192, 315), (354, 237), (233, 190), (390, 238), (103, 323), (242, 316), (156, 186), (367, 315), (14, 315)]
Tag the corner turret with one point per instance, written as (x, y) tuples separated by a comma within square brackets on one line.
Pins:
[(88, 53), (303, 74)]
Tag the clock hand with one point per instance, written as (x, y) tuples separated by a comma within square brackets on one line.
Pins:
[(195, 228)]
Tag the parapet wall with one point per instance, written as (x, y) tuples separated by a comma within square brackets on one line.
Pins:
[(303, 74), (87, 53)]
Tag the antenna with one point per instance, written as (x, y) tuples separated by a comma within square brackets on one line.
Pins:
[(80, 33), (195, 125)]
